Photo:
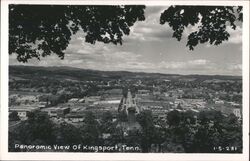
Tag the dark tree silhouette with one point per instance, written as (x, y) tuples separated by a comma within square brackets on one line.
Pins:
[(38, 129), (213, 22), (40, 30), (107, 123), (174, 118), (145, 119), (90, 129), (13, 116)]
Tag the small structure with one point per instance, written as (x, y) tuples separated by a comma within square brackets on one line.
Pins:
[(74, 118), (73, 100), (22, 111), (237, 112), (57, 111), (92, 99)]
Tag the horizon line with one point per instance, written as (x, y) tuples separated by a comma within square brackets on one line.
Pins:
[(130, 71)]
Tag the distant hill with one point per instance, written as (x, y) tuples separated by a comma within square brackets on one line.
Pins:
[(64, 72)]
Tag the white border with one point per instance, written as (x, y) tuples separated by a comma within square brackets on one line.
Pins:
[(5, 155)]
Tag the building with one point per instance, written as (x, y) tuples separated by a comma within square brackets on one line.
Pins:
[(74, 118), (107, 102), (57, 111), (218, 102), (129, 107), (73, 100), (22, 111), (237, 112), (190, 103), (92, 99)]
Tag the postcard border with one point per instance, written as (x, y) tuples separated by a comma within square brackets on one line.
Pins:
[(120, 156)]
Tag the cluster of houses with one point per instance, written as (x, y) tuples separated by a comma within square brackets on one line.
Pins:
[(73, 110)]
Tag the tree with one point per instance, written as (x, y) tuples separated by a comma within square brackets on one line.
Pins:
[(231, 133), (204, 140), (90, 130), (216, 130), (145, 119), (40, 30), (107, 125), (174, 118), (134, 138), (189, 117), (67, 134), (13, 116), (213, 22), (36, 130), (122, 116), (40, 127)]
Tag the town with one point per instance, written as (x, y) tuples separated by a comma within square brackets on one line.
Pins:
[(69, 100)]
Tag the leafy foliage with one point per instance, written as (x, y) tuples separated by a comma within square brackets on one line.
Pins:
[(145, 119), (37, 130), (13, 116), (40, 30), (212, 21), (107, 123), (188, 133), (68, 134), (90, 130)]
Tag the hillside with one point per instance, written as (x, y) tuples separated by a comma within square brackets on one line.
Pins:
[(37, 72)]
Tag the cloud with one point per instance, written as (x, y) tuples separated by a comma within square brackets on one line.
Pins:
[(184, 65), (100, 56), (155, 10), (235, 67), (130, 61), (171, 65), (198, 66), (198, 62), (153, 13), (150, 29), (149, 32), (235, 35)]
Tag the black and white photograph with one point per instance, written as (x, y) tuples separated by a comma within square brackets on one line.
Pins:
[(87, 78)]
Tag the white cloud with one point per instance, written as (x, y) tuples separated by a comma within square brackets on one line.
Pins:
[(182, 65), (198, 62), (150, 29), (235, 35), (235, 67), (171, 65)]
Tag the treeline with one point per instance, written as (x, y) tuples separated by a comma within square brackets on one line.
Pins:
[(186, 132)]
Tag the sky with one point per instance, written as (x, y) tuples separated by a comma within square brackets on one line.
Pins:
[(150, 47)]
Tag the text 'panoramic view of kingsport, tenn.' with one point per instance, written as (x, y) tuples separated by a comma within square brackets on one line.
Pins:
[(125, 78)]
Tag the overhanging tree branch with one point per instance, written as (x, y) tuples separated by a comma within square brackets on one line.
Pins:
[(40, 30), (213, 21)]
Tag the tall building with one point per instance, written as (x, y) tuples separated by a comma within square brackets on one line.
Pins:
[(128, 104), (129, 107)]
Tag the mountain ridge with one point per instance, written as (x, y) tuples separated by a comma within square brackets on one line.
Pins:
[(79, 73)]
